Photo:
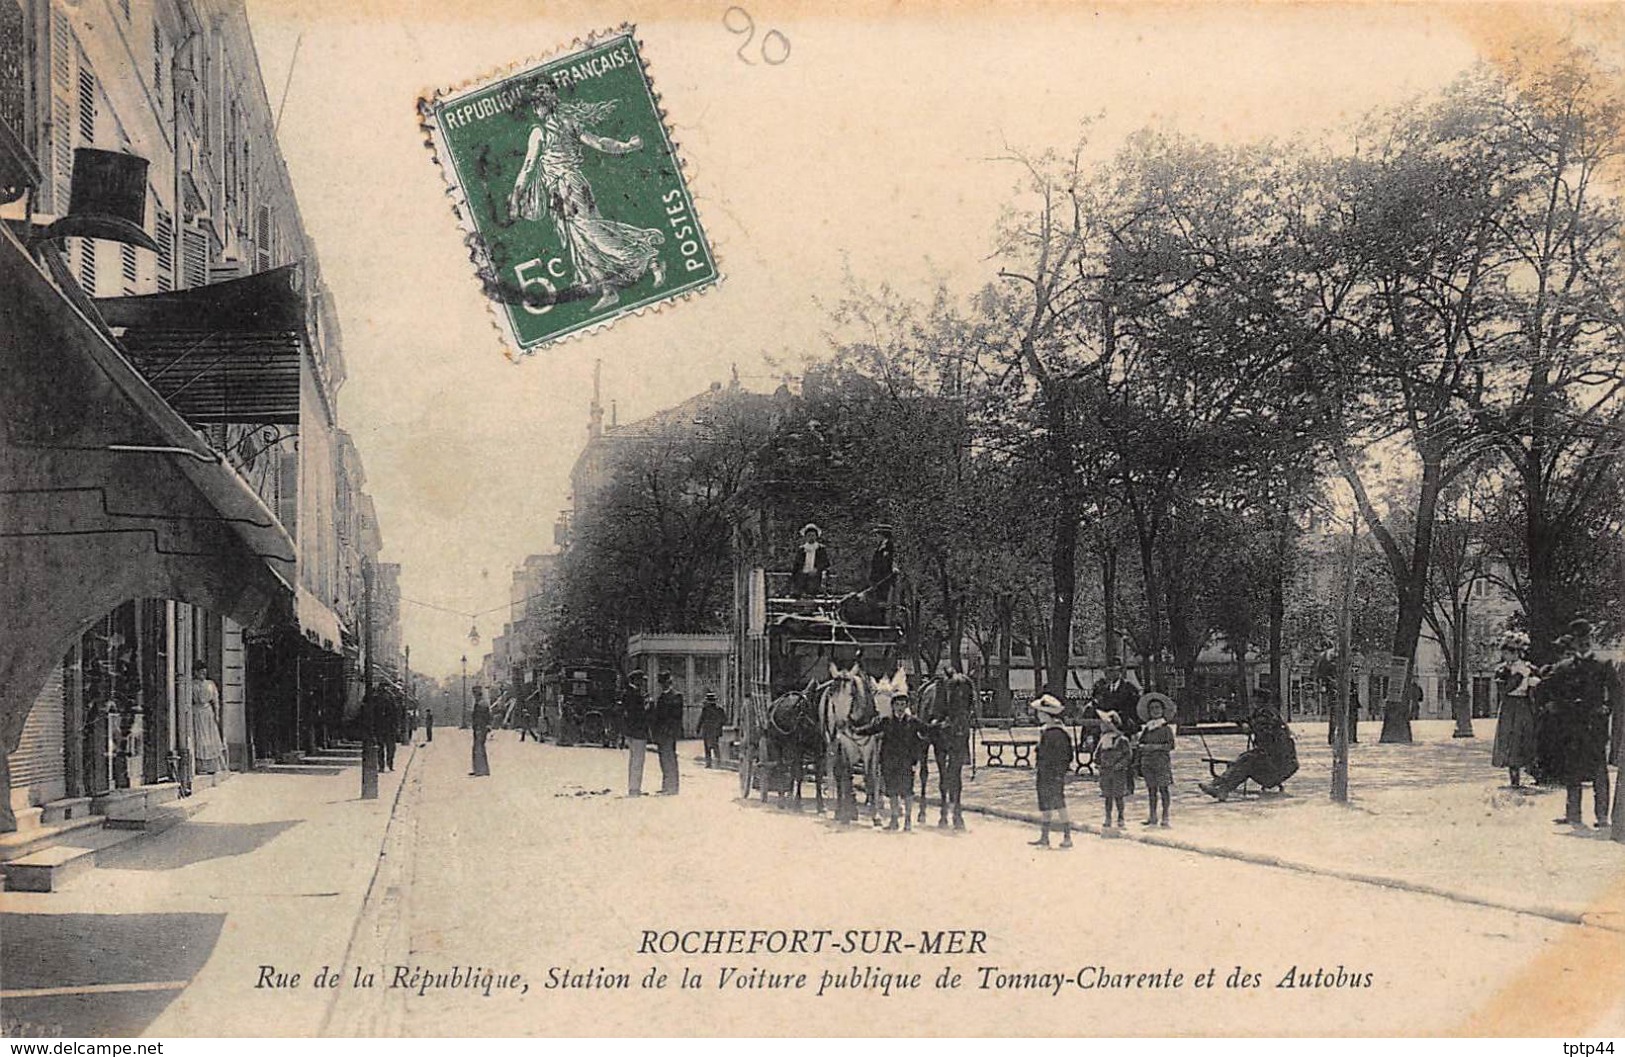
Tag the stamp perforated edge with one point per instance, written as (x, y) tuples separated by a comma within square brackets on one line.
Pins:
[(440, 152)]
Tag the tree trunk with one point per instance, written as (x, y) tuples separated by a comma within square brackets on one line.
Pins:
[(1005, 607), (1278, 612), (1063, 569), (1108, 600)]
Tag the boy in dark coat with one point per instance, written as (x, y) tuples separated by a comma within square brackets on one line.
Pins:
[(1054, 760), (901, 736)]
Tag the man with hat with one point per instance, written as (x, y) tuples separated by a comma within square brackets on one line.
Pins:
[(882, 567), (1054, 760), (812, 563), (1270, 760), (1118, 693), (635, 727), (1581, 693), (665, 727), (712, 720)]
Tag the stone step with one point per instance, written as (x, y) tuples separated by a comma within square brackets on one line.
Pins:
[(48, 868), (299, 768), (65, 810), (25, 842), (330, 758), (29, 818)]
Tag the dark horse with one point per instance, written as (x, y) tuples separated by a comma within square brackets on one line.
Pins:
[(946, 709), (793, 737)]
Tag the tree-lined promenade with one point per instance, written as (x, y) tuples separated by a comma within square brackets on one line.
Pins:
[(1187, 359)]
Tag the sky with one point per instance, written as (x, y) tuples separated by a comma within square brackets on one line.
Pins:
[(869, 155)]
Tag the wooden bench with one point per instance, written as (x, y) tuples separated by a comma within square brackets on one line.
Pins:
[(1021, 749), (1216, 764)]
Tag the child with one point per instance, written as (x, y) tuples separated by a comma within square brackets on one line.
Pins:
[(901, 735), (1112, 759), (1156, 742), (1054, 760)]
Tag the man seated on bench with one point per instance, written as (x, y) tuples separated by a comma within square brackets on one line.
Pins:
[(1270, 761)]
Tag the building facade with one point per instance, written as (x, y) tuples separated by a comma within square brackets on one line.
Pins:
[(178, 495)]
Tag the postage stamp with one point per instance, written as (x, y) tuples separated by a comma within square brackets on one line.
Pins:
[(570, 191)]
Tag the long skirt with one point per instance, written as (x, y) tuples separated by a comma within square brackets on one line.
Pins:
[(482, 765), (208, 751), (1514, 734)]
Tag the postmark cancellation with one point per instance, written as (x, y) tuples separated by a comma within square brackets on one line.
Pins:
[(572, 196)]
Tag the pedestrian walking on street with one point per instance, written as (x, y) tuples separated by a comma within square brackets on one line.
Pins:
[(387, 718), (901, 738), (712, 720), (1580, 695), (428, 725), (482, 730), (1515, 726), (1114, 760), (635, 726), (665, 727), (1054, 760), (1156, 748)]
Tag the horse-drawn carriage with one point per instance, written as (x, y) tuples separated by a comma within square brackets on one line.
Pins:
[(818, 670), (579, 704)]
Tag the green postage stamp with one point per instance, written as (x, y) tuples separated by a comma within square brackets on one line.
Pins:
[(570, 191)]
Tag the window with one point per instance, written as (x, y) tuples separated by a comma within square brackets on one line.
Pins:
[(158, 63), (195, 257)]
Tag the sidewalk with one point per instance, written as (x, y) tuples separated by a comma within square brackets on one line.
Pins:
[(167, 935), (1433, 817)]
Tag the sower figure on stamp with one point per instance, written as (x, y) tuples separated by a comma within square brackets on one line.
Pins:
[(609, 256)]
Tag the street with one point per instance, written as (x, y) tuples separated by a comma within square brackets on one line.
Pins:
[(491, 889)]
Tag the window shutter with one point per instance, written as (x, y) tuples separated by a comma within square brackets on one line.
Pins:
[(87, 104), (164, 235), (195, 257), (61, 112), (87, 266), (132, 271), (262, 239), (158, 63)]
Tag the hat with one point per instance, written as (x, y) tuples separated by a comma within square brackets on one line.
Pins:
[(883, 528), (665, 677), (710, 695), (1114, 662), (810, 527), (1110, 719), (638, 675), (1048, 705), (1515, 640), (1147, 700), (1580, 629)]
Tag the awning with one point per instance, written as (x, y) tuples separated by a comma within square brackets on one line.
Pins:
[(319, 623), (226, 352), (106, 494)]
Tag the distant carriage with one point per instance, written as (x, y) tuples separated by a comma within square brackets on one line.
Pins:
[(580, 705)]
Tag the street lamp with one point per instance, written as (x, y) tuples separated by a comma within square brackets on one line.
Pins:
[(462, 723)]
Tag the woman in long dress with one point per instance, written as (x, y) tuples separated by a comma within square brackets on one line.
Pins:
[(208, 750), (609, 256), (1515, 727), (482, 730)]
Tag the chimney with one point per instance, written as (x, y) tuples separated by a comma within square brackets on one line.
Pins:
[(595, 413)]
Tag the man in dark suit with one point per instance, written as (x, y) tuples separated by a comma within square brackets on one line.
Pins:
[(1581, 695), (665, 727), (1118, 693), (882, 567), (635, 728)]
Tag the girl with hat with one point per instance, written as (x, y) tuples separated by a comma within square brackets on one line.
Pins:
[(1515, 727), (1054, 758), (1156, 743), (1113, 758)]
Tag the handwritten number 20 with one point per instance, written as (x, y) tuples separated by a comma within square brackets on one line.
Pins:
[(773, 57)]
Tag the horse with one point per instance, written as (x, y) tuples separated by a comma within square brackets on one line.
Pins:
[(846, 701), (793, 736), (946, 708)]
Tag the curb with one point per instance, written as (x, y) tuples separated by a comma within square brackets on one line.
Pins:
[(1566, 917), (380, 915)]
